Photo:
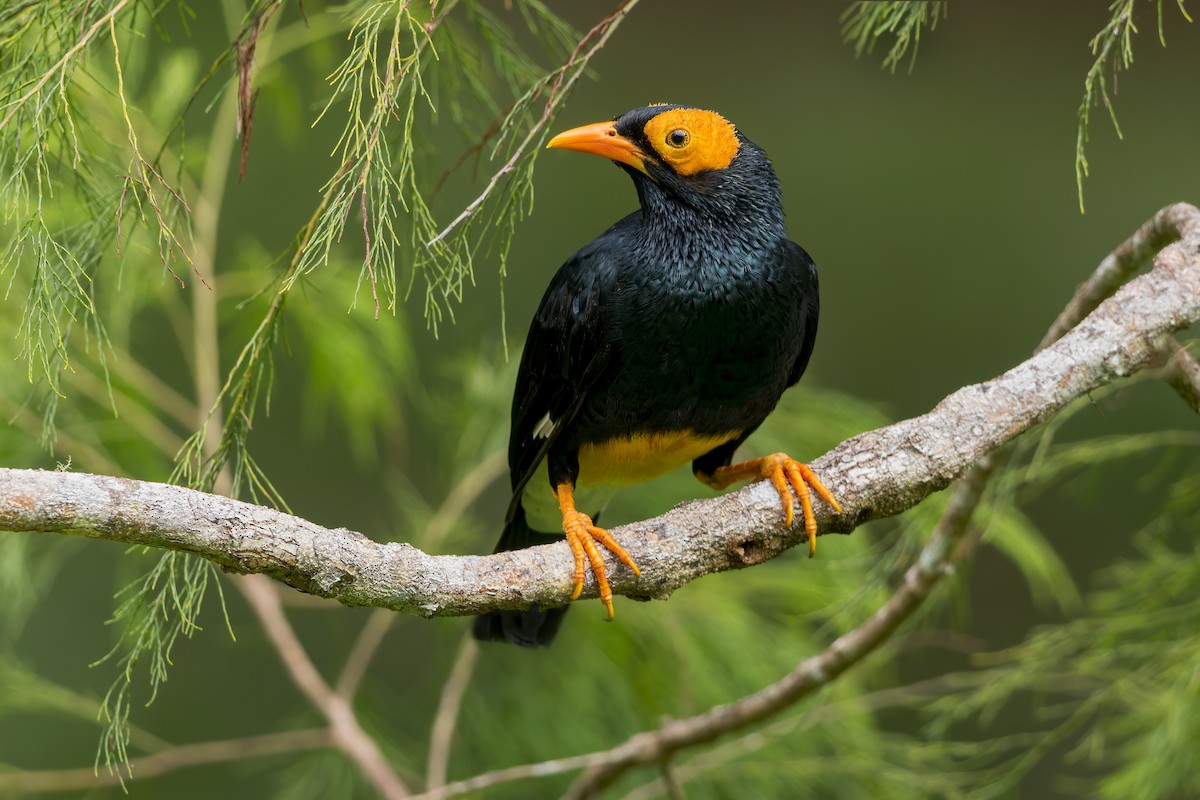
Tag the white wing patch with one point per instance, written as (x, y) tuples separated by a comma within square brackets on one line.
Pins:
[(544, 428)]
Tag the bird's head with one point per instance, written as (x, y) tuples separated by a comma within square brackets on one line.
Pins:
[(678, 154)]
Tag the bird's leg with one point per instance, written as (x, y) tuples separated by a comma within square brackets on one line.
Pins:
[(781, 470), (582, 536)]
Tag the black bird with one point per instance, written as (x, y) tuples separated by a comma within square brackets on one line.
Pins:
[(668, 339)]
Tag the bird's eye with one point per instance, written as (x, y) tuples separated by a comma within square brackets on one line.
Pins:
[(678, 138)]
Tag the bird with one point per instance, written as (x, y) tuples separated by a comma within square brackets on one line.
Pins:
[(669, 338)]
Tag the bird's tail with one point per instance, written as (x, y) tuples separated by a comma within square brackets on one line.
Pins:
[(535, 626)]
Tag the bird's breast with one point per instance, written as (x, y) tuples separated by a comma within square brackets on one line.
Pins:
[(624, 460), (697, 353)]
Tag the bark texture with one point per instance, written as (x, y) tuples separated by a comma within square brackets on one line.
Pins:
[(876, 474)]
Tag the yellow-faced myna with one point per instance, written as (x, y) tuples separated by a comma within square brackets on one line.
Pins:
[(668, 339)]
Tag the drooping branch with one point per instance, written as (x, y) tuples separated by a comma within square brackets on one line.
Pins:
[(63, 63), (571, 71), (874, 475), (345, 731)]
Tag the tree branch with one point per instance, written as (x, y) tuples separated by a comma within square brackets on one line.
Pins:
[(935, 561), (1182, 373), (939, 556), (441, 736), (943, 551), (344, 728), (166, 760), (876, 474)]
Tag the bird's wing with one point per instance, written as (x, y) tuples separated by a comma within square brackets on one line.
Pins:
[(802, 267), (567, 351)]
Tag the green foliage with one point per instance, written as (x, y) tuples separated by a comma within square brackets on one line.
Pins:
[(1118, 684), (58, 149), (319, 776), (107, 168), (727, 635), (1113, 48), (154, 612), (408, 66), (1115, 685), (71, 229), (865, 23)]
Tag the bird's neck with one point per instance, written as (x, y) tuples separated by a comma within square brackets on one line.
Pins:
[(736, 227)]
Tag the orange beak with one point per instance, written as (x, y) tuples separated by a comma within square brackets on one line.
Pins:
[(601, 139)]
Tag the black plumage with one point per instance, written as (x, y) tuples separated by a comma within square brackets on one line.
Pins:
[(689, 317)]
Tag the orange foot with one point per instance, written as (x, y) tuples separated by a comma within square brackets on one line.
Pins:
[(782, 470), (582, 536)]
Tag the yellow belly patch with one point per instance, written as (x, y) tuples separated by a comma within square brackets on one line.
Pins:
[(642, 456)]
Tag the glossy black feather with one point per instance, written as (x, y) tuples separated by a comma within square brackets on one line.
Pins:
[(567, 351), (694, 313)]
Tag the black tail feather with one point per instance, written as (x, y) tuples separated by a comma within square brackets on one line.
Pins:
[(535, 626)]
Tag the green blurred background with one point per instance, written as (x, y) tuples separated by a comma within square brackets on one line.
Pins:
[(940, 207)]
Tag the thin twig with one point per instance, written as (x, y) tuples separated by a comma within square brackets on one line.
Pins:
[(362, 652), (206, 344), (441, 737), (245, 45), (453, 506), (752, 741), (168, 760), (812, 673), (542, 769), (1182, 373), (348, 735), (667, 776), (344, 729), (87, 36), (603, 30)]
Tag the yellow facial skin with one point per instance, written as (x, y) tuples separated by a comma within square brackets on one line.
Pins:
[(690, 140), (687, 140)]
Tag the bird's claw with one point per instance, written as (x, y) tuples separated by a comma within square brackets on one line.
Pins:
[(582, 536), (785, 474), (784, 471)]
